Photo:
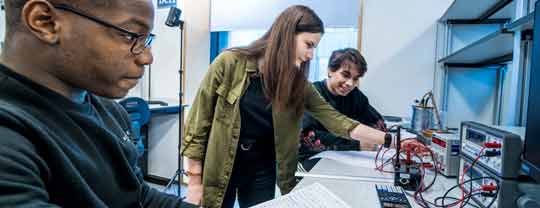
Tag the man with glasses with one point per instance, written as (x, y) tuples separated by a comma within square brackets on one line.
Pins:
[(62, 141)]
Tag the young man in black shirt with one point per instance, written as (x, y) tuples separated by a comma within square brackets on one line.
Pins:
[(63, 143), (345, 68)]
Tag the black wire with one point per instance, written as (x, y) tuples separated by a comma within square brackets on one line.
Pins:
[(434, 161), (466, 201), (470, 167), (489, 205), (412, 195), (470, 187), (464, 182), (469, 197), (454, 198), (422, 189), (495, 197), (419, 190), (388, 161), (435, 203)]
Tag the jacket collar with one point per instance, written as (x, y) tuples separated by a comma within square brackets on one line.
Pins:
[(251, 66)]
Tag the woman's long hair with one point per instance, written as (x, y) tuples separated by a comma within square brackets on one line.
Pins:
[(283, 81)]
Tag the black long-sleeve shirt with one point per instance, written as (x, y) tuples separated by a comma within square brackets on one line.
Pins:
[(355, 105), (57, 153)]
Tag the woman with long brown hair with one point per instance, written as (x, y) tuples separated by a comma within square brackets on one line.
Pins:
[(242, 130)]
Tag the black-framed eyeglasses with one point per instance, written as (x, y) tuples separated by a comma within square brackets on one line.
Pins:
[(140, 41)]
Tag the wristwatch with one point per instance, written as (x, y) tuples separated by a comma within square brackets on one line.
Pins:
[(387, 140)]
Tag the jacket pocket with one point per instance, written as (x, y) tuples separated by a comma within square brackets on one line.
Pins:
[(225, 104)]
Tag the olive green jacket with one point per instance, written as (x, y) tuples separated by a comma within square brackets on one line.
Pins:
[(213, 126)]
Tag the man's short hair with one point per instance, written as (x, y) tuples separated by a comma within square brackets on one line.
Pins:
[(13, 11), (14, 7), (347, 56)]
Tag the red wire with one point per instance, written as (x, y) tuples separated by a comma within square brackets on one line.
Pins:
[(434, 162), (423, 188), (383, 163), (377, 156), (461, 200), (465, 169), (381, 168)]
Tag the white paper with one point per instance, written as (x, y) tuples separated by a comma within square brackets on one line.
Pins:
[(406, 135), (365, 159), (312, 196), (382, 178)]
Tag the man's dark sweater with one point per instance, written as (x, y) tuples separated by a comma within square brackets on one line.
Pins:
[(54, 152), (354, 105)]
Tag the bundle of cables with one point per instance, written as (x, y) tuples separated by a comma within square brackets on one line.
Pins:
[(414, 149), (486, 190)]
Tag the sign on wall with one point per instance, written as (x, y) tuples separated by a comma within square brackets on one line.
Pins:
[(166, 3)]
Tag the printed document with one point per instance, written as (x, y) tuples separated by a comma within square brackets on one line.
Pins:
[(312, 196)]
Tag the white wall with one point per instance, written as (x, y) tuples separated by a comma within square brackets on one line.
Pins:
[(399, 45), (165, 80), (162, 82), (197, 18), (164, 135), (2, 25), (227, 15)]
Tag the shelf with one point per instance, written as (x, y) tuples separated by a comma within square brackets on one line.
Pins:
[(493, 48), (479, 10), (521, 24), (507, 12)]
